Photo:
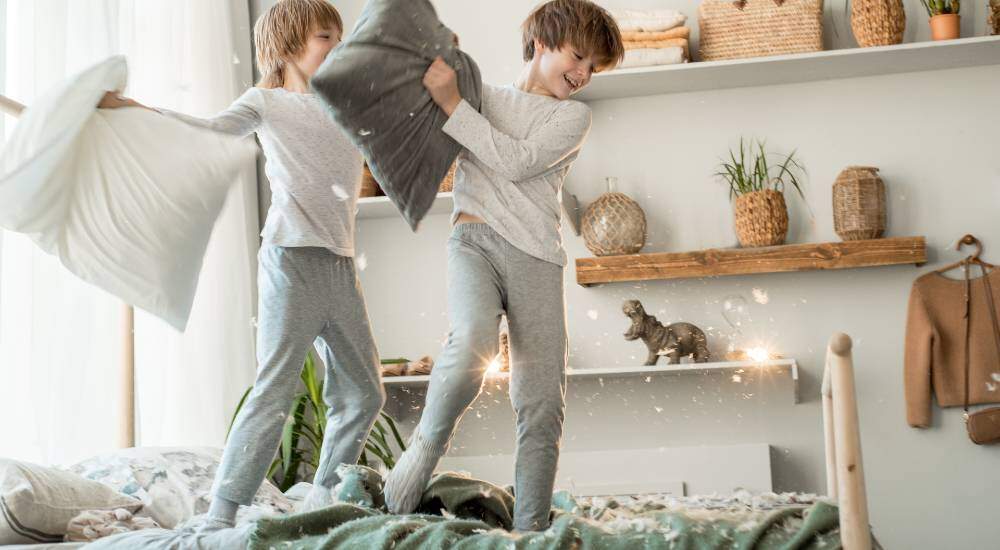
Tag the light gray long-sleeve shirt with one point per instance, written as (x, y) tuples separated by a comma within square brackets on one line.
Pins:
[(313, 168), (517, 154)]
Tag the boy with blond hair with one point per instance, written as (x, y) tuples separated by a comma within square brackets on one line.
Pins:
[(505, 255), (308, 286)]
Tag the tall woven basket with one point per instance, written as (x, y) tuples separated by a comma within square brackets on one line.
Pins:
[(761, 218), (878, 22), (755, 28), (859, 204)]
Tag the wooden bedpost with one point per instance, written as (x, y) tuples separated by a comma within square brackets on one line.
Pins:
[(829, 438), (855, 532)]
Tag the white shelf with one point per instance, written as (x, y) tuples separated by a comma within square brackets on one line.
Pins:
[(777, 365), (786, 69), (382, 207)]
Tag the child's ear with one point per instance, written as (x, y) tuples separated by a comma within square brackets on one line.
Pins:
[(539, 47)]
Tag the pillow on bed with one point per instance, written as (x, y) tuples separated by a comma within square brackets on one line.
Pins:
[(36, 503), (174, 484), (373, 85)]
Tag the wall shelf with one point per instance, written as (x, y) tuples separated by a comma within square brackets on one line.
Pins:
[(787, 69), (777, 365), (742, 261), (382, 207)]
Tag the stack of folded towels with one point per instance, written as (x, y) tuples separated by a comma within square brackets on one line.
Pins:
[(653, 37)]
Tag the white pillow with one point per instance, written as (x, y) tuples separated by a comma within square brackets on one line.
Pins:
[(125, 198), (174, 484), (36, 503)]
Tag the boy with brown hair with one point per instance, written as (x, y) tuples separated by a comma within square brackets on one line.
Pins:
[(505, 255)]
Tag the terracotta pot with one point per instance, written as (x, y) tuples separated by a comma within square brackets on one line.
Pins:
[(945, 27)]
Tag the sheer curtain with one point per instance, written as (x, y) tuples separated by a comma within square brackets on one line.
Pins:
[(59, 338)]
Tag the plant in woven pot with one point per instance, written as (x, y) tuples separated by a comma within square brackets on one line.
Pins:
[(859, 204), (613, 224), (877, 22), (758, 188), (944, 18)]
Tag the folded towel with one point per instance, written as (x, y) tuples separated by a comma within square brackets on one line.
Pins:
[(648, 57), (660, 44), (642, 36), (647, 20)]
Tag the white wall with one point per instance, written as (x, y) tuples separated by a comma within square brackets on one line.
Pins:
[(934, 135)]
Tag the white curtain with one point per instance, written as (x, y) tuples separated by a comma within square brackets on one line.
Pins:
[(59, 338)]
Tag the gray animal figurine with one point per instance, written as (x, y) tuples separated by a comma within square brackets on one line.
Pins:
[(675, 340)]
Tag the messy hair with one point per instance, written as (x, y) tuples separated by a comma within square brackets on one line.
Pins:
[(283, 31), (580, 24)]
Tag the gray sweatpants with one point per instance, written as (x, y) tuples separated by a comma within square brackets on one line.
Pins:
[(488, 277), (307, 296)]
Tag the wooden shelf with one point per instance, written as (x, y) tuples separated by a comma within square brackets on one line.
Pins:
[(787, 69), (382, 207), (742, 261), (778, 365)]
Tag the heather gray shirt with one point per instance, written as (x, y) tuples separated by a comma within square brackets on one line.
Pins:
[(313, 168), (516, 157)]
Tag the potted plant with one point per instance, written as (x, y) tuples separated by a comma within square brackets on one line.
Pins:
[(305, 426), (944, 18), (758, 188)]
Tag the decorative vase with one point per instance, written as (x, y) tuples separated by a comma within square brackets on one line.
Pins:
[(613, 224), (945, 26), (761, 218), (878, 22), (859, 204)]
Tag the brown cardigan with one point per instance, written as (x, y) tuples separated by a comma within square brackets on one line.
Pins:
[(934, 357)]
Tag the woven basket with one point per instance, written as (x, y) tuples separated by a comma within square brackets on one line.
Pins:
[(859, 204), (761, 218), (878, 22), (370, 187), (754, 28), (613, 225), (993, 17)]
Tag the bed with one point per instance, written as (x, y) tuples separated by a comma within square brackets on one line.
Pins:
[(462, 512)]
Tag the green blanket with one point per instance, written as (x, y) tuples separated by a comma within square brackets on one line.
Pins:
[(463, 513)]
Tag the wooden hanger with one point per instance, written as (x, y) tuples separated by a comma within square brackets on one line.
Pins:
[(968, 240)]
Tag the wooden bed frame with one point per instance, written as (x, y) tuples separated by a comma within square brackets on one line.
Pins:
[(845, 473)]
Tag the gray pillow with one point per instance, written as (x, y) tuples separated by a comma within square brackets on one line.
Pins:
[(372, 84)]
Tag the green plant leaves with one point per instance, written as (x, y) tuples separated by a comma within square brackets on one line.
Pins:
[(304, 429), (749, 170)]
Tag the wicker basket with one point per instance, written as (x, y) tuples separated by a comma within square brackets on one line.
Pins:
[(370, 187), (613, 224), (761, 218), (754, 28), (993, 17), (859, 204), (448, 183), (878, 22)]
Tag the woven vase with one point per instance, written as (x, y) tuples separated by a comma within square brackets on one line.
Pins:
[(761, 218), (613, 224), (859, 204), (878, 22)]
